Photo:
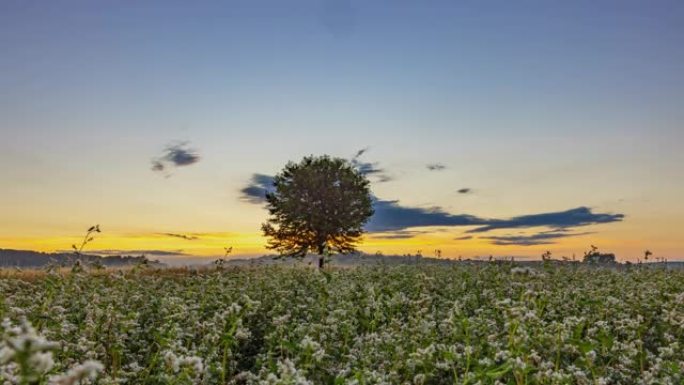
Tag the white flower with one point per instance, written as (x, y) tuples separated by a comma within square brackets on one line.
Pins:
[(42, 362), (87, 370), (194, 362), (591, 355), (6, 354), (242, 333), (172, 361)]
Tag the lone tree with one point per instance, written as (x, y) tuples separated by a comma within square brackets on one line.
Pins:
[(319, 204)]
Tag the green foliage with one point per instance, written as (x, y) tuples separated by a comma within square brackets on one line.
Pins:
[(593, 256), (463, 324), (319, 205)]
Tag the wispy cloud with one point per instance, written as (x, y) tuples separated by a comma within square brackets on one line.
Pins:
[(175, 155), (370, 169), (436, 167), (581, 216), (260, 184), (360, 152), (161, 253), (255, 191), (398, 234), (463, 238), (391, 216), (181, 236), (394, 219), (542, 238)]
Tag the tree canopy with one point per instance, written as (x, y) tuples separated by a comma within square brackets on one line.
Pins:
[(318, 205)]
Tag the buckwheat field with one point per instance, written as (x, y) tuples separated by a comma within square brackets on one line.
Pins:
[(466, 324)]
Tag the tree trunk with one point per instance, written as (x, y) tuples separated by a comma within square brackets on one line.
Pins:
[(321, 256)]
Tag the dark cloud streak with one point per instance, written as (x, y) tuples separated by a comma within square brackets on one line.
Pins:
[(256, 191), (391, 216), (543, 238), (369, 169), (436, 167), (581, 216), (399, 234), (115, 252), (463, 238), (174, 156), (392, 220), (181, 236)]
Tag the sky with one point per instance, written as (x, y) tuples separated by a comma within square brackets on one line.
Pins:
[(486, 127)]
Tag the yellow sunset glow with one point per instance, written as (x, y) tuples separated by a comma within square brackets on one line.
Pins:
[(250, 244)]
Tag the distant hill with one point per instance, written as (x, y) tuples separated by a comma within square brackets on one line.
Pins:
[(376, 259), (35, 259), (32, 259), (352, 260)]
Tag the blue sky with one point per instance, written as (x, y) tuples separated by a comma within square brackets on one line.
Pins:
[(538, 107)]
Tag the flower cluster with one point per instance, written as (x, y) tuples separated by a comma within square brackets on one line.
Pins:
[(26, 357), (488, 323)]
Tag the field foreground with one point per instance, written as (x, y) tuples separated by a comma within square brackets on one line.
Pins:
[(488, 324)]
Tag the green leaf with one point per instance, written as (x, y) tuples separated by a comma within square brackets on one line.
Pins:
[(499, 372)]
